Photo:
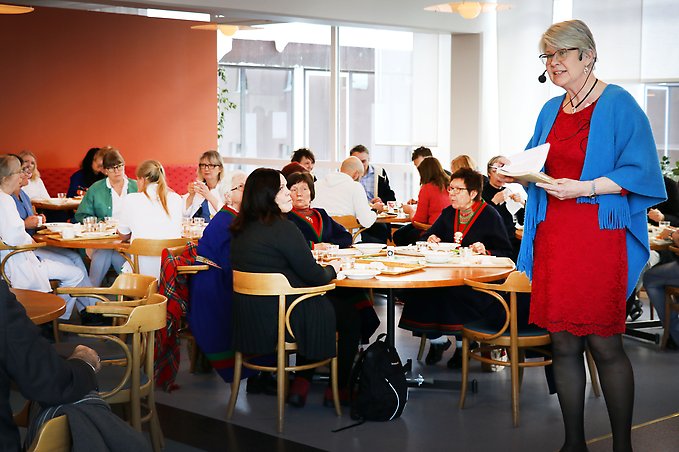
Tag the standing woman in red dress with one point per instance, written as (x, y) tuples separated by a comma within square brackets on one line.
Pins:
[(585, 239)]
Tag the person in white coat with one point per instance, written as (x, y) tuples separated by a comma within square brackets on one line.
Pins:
[(27, 270), (153, 212), (341, 194)]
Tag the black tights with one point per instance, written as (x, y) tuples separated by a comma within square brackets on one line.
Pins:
[(617, 383)]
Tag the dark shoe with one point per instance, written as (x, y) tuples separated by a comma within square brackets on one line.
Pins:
[(671, 345), (262, 383), (90, 319), (636, 310), (299, 390), (436, 352), (456, 361), (344, 397)]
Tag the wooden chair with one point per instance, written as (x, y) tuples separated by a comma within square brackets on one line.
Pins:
[(510, 336), (126, 287), (421, 226), (351, 224), (14, 250), (671, 305), (54, 436), (184, 330), (147, 247), (277, 285), (136, 382)]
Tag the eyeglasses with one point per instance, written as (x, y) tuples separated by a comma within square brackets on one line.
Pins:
[(208, 166), (238, 187), (559, 54), (456, 190), (116, 168)]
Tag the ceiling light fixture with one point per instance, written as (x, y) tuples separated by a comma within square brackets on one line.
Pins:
[(468, 10), (13, 9), (226, 29)]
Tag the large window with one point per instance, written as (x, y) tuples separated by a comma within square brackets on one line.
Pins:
[(662, 108), (387, 98)]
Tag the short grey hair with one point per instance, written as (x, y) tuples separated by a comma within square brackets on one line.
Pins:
[(568, 34)]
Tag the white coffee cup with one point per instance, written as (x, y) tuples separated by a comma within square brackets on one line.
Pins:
[(68, 233)]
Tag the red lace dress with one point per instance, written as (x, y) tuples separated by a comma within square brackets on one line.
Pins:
[(579, 270)]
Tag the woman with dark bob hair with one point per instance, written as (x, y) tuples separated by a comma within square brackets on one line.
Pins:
[(264, 241), (356, 317), (472, 223), (91, 170)]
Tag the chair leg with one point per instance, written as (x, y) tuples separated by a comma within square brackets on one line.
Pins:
[(157, 439), (235, 384), (465, 370), (55, 328), (593, 373), (666, 321), (522, 359), (514, 361), (423, 342), (281, 376), (335, 389)]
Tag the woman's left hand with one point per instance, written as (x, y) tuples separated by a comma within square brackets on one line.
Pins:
[(478, 248), (566, 188), (321, 246)]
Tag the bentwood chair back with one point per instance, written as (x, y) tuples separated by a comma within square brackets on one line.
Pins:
[(127, 288), (351, 224), (277, 285), (671, 305), (14, 250), (129, 380), (53, 436), (147, 247), (421, 226)]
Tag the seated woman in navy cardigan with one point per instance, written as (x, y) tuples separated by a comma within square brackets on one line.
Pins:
[(472, 223)]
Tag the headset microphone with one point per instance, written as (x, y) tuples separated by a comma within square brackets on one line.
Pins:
[(542, 78)]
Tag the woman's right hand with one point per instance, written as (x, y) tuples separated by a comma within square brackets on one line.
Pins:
[(191, 188), (33, 222), (433, 239)]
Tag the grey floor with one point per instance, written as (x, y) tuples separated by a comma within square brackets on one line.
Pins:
[(432, 420)]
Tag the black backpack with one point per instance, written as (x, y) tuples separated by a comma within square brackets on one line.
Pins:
[(378, 387)]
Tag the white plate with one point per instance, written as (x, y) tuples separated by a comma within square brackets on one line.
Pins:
[(361, 274), (95, 235), (57, 225), (369, 248)]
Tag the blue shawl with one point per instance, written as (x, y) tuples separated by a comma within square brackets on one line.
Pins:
[(621, 148)]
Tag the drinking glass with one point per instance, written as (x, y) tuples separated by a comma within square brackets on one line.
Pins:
[(61, 196), (198, 221), (664, 224)]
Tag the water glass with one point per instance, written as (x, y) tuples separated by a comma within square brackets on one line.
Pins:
[(664, 224), (198, 221), (61, 195), (466, 254), (88, 223)]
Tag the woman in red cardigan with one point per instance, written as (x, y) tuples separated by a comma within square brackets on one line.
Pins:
[(431, 200)]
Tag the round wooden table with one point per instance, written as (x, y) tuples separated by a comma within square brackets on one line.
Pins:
[(56, 203), (426, 278), (112, 243), (40, 307)]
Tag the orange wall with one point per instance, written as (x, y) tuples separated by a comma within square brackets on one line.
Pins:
[(71, 80)]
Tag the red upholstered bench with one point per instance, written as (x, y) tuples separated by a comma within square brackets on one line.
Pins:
[(178, 177)]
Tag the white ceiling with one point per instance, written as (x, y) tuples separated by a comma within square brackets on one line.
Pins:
[(400, 14)]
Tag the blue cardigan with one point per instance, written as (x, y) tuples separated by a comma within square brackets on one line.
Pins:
[(621, 148)]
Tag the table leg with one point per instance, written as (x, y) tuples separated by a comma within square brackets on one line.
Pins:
[(391, 318)]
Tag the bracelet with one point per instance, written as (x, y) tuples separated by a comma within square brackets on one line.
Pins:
[(592, 194)]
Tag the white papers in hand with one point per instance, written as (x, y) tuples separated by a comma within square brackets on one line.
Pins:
[(527, 165)]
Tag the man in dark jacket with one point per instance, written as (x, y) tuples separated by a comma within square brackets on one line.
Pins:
[(28, 360)]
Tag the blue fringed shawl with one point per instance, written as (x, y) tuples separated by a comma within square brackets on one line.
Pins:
[(621, 148)]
